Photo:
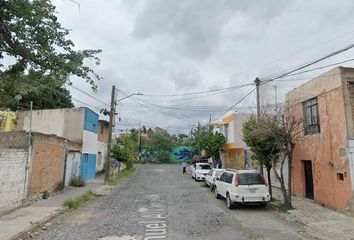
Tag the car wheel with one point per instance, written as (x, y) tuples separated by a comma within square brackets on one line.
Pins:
[(216, 194), (229, 203), (211, 187), (195, 177)]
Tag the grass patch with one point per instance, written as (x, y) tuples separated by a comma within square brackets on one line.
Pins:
[(113, 180), (203, 184), (77, 202), (282, 207)]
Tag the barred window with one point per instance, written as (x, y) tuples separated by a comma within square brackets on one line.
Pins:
[(311, 117)]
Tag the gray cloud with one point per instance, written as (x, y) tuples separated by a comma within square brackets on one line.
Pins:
[(178, 46)]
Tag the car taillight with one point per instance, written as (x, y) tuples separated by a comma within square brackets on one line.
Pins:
[(263, 179), (236, 180)]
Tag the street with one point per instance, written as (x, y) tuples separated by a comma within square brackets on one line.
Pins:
[(157, 202)]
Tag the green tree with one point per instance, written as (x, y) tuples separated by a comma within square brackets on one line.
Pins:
[(36, 44), (160, 143), (124, 149), (262, 145), (209, 141)]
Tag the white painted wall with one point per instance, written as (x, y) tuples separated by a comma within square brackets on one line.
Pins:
[(12, 178), (101, 147), (89, 142)]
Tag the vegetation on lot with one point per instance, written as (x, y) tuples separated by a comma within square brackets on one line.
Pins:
[(77, 202), (37, 57), (281, 206), (77, 181), (114, 179), (273, 137), (204, 138)]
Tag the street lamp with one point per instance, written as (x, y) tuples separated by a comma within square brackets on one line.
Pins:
[(133, 94)]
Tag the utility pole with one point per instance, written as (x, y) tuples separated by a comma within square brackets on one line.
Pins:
[(29, 157), (110, 129), (257, 81), (139, 146)]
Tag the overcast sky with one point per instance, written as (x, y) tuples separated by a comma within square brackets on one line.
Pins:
[(173, 47)]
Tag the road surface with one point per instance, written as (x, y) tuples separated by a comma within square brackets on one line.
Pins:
[(158, 202)]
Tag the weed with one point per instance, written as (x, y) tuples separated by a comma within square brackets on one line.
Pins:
[(45, 195), (77, 202), (77, 181), (113, 180), (282, 207)]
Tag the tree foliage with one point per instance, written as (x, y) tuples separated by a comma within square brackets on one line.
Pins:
[(35, 52), (209, 141), (262, 144), (124, 148)]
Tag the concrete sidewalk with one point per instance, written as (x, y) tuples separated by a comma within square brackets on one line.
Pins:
[(320, 222), (24, 219)]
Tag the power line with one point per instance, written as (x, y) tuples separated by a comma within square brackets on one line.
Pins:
[(310, 63), (87, 94), (238, 102), (197, 93)]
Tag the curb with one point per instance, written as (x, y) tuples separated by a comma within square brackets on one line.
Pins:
[(37, 224)]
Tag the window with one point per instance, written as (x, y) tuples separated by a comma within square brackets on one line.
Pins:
[(229, 178), (223, 177), (250, 179), (85, 158), (311, 117)]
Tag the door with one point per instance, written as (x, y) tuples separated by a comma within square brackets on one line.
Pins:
[(308, 180), (72, 166)]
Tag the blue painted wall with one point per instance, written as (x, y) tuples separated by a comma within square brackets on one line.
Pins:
[(88, 166), (91, 121)]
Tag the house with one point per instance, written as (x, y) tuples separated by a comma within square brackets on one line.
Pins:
[(322, 167), (235, 151), (7, 121), (102, 144), (79, 125)]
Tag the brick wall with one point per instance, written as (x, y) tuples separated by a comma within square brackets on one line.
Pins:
[(47, 164), (13, 157)]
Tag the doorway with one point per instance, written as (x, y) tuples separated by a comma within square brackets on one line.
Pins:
[(308, 180)]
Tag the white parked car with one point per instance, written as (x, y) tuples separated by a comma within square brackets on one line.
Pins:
[(210, 178), (199, 170), (242, 187)]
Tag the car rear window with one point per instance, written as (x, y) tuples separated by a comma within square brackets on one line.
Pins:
[(250, 179), (218, 173), (203, 167)]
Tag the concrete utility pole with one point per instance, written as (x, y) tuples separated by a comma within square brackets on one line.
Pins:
[(257, 81), (110, 129), (29, 157)]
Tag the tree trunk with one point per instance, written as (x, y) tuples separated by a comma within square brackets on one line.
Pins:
[(281, 179), (270, 183), (290, 158)]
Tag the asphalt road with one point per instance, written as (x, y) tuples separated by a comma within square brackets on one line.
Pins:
[(158, 202)]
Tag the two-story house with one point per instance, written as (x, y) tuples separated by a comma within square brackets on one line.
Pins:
[(235, 151), (323, 160), (79, 125)]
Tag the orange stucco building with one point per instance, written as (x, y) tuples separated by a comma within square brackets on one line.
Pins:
[(323, 160)]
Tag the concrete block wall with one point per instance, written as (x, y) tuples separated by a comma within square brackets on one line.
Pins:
[(12, 178)]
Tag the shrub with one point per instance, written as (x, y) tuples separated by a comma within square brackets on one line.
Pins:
[(77, 181), (45, 195)]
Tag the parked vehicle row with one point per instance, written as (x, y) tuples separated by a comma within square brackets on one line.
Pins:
[(236, 186)]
